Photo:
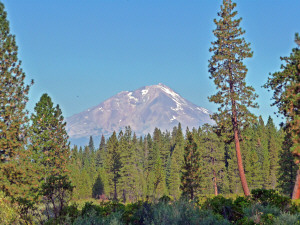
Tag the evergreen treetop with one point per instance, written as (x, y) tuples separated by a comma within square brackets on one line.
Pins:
[(15, 174), (49, 139), (286, 96), (13, 94), (229, 72)]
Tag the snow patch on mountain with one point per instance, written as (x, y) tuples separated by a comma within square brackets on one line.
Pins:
[(144, 92), (173, 118), (203, 110), (175, 97), (168, 91), (132, 97)]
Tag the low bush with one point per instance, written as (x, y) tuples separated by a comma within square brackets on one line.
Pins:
[(223, 206), (287, 219), (8, 211), (261, 214), (92, 217), (271, 197), (179, 212)]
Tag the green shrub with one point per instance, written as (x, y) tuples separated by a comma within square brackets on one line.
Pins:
[(179, 212), (222, 206), (111, 207), (287, 219), (70, 213), (143, 214), (271, 197), (128, 215), (261, 214), (91, 217), (240, 203), (90, 207), (211, 219), (8, 211)]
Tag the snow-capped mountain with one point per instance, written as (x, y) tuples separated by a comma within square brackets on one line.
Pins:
[(142, 110)]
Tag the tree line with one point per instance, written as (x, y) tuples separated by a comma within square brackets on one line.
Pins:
[(199, 163)]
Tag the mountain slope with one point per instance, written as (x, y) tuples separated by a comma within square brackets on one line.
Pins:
[(142, 109)]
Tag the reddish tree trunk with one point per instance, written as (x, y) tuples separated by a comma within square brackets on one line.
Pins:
[(237, 144), (296, 192), (240, 164)]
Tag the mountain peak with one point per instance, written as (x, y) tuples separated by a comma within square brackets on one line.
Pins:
[(142, 109)]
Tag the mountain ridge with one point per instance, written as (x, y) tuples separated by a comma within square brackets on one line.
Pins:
[(142, 109)]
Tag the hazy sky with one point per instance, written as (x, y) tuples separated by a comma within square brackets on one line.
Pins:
[(83, 52)]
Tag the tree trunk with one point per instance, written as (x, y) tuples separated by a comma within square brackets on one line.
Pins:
[(296, 192), (237, 142), (240, 163)]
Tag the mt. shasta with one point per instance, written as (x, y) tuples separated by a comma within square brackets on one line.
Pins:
[(142, 110)]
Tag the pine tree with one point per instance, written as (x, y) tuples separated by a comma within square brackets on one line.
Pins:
[(254, 174), (228, 72), (75, 171), (213, 157), (287, 167), (262, 152), (113, 165), (273, 147), (86, 156), (51, 153), (175, 161), (158, 175), (13, 94), (16, 173), (190, 180), (286, 87), (137, 145), (174, 180), (98, 188), (48, 138), (179, 146), (100, 154), (128, 171), (155, 173), (91, 145)]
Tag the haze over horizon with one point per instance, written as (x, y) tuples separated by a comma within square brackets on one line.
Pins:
[(84, 52)]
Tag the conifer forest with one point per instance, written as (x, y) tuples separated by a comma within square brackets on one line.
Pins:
[(240, 170)]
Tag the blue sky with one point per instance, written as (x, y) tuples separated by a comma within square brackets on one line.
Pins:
[(83, 52)]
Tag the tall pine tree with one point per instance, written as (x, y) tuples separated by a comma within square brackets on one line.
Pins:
[(113, 166), (286, 87), (16, 174), (48, 138), (229, 72)]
